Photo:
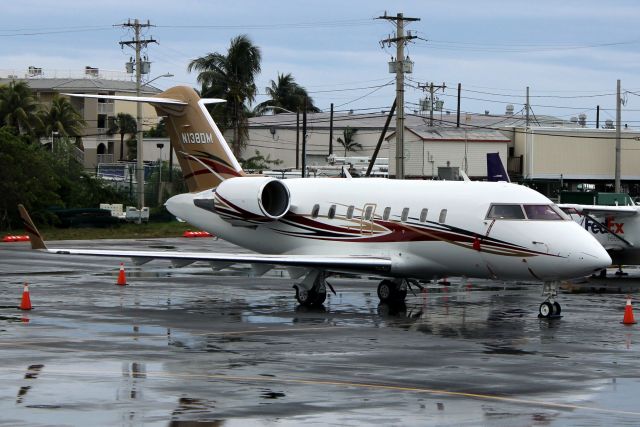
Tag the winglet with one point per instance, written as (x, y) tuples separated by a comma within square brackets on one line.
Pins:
[(37, 242)]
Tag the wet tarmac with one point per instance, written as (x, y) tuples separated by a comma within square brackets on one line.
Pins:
[(182, 347)]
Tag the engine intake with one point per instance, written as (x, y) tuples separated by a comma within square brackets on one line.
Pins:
[(251, 200)]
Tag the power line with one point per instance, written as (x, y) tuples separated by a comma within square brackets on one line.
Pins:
[(279, 26)]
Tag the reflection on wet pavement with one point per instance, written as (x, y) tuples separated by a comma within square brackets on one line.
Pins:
[(181, 346)]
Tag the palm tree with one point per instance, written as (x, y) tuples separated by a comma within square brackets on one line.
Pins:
[(18, 108), (63, 118), (124, 124), (348, 142), (232, 77), (286, 94)]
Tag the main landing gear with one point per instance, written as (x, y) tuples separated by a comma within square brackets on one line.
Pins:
[(392, 291), (550, 307), (312, 291)]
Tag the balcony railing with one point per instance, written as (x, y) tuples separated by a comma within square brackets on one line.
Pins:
[(106, 108), (101, 134), (105, 158)]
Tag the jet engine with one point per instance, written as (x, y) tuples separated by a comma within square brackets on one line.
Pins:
[(252, 200)]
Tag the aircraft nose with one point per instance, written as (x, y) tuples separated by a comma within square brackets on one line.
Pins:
[(593, 256), (178, 205)]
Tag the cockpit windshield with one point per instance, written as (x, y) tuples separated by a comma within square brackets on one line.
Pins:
[(543, 212), (522, 212), (505, 212)]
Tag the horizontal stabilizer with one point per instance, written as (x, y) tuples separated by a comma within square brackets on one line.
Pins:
[(149, 99)]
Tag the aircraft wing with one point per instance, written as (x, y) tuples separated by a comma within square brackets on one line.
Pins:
[(334, 263), (619, 211), (353, 263)]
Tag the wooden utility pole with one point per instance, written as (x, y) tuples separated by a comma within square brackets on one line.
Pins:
[(432, 89), (331, 131), (298, 138), (304, 139), (400, 66), (527, 108), (618, 135), (137, 44), (458, 112), (382, 134)]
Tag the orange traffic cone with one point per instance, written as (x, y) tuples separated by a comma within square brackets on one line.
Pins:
[(628, 314), (25, 304), (122, 280)]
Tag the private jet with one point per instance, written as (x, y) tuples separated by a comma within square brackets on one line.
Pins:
[(402, 231)]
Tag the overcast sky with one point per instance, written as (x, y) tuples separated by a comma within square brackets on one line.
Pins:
[(569, 53)]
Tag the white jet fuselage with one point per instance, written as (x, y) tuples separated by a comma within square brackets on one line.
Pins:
[(387, 218)]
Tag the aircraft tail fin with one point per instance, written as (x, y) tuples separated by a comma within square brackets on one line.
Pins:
[(204, 156), (495, 168), (37, 242)]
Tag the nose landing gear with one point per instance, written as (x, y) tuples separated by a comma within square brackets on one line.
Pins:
[(550, 308)]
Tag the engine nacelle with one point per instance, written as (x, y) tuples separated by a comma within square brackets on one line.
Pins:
[(252, 200)]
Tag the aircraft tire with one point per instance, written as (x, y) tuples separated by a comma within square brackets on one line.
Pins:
[(546, 309), (557, 309), (388, 293), (386, 290), (310, 298)]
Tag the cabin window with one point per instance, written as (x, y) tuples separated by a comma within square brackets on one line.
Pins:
[(423, 215), (542, 212), (350, 212), (505, 212), (315, 211), (367, 213), (386, 214), (405, 215), (332, 212), (443, 216)]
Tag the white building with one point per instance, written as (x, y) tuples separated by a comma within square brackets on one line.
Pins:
[(98, 145)]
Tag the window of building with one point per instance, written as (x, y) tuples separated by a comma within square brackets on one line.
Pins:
[(332, 212), (443, 216), (423, 215), (405, 215), (386, 214), (350, 212), (315, 211)]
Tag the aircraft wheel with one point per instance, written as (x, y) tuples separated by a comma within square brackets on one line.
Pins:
[(386, 290), (556, 309), (310, 298), (546, 309)]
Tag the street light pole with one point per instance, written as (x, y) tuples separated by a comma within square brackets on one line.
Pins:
[(140, 135), (53, 134), (160, 146), (156, 78)]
